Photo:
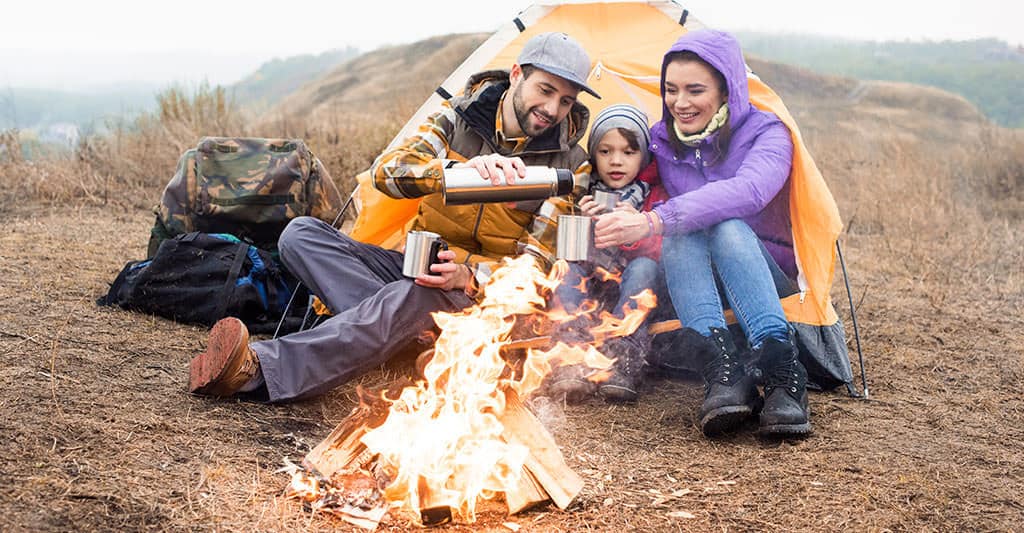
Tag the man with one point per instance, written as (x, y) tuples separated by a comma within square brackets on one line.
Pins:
[(503, 121)]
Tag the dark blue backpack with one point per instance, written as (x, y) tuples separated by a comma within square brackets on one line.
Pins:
[(200, 278)]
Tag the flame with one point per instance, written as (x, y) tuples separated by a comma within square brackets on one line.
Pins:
[(442, 437), (441, 443), (304, 486), (607, 275), (613, 326), (582, 285)]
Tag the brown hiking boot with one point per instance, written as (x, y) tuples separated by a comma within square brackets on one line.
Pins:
[(227, 364)]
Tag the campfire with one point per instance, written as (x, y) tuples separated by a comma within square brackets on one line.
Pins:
[(432, 449)]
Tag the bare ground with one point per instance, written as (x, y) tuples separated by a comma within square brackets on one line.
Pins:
[(98, 433)]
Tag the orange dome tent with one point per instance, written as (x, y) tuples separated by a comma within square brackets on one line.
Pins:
[(626, 42)]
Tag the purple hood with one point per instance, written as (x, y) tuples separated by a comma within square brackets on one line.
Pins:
[(722, 51), (747, 180)]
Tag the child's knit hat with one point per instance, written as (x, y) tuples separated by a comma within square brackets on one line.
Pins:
[(622, 116)]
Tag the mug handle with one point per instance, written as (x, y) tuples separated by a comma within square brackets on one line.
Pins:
[(435, 247)]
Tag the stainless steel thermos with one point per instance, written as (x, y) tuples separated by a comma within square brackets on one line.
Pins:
[(463, 185)]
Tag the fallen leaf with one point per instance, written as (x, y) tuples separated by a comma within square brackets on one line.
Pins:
[(681, 492), (654, 491), (817, 484), (672, 479), (659, 500), (608, 501), (681, 514), (726, 483), (512, 525)]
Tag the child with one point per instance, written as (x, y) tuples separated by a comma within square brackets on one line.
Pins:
[(618, 148)]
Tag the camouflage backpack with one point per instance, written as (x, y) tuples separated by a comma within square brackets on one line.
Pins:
[(247, 187)]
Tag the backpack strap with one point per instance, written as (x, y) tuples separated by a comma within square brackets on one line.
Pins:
[(229, 284)]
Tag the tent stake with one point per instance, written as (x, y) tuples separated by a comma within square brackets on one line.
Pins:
[(853, 316)]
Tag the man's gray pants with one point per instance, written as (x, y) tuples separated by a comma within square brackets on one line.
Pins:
[(376, 311)]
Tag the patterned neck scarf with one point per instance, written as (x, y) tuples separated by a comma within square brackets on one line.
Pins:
[(720, 118)]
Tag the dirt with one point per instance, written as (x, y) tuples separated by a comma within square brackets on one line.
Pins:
[(99, 434)]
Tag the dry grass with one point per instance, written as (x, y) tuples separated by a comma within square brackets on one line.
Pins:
[(100, 435), (129, 166)]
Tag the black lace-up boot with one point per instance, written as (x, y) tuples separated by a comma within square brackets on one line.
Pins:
[(785, 390), (628, 371), (730, 396)]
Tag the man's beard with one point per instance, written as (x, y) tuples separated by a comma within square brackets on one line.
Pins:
[(523, 115)]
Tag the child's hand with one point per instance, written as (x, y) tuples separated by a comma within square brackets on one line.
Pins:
[(625, 207), (589, 207)]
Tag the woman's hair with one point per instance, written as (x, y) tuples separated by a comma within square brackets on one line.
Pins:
[(724, 132), (631, 139)]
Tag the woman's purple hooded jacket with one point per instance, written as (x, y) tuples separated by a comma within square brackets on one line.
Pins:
[(749, 182)]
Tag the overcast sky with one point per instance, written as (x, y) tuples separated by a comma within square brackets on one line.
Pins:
[(67, 44)]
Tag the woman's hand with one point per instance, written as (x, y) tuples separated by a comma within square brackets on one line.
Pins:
[(620, 227), (448, 275)]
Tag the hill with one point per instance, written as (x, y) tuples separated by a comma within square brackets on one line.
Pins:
[(277, 78), (987, 72), (394, 80)]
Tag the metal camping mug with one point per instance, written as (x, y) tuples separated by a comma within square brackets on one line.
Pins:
[(607, 200), (421, 248), (573, 237)]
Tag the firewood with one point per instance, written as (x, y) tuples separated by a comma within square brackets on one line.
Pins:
[(528, 493), (343, 447), (544, 461)]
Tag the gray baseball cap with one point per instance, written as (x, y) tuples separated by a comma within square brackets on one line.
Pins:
[(557, 53)]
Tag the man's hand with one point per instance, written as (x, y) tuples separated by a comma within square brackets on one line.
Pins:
[(495, 167), (620, 227), (448, 275)]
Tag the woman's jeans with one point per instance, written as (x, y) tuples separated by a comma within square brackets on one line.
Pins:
[(750, 281), (641, 273)]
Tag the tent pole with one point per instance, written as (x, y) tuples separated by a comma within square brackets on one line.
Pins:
[(288, 307), (853, 316)]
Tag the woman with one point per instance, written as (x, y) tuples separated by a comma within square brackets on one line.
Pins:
[(726, 235)]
